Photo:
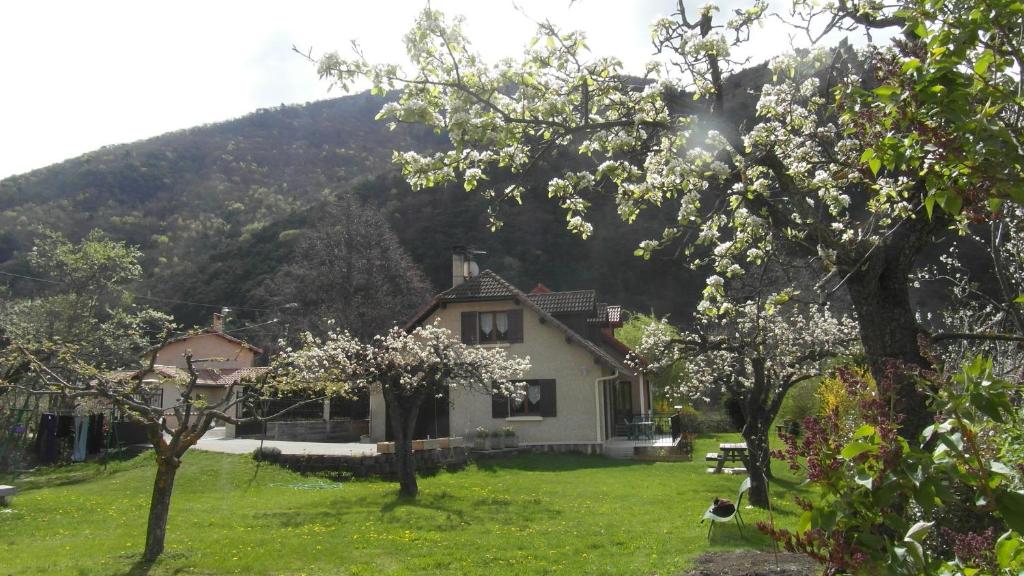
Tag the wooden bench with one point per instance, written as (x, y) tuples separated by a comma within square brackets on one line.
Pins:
[(6, 492)]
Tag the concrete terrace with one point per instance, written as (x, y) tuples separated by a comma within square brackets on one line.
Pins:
[(214, 441)]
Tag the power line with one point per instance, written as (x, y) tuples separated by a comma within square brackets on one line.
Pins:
[(30, 278), (155, 298)]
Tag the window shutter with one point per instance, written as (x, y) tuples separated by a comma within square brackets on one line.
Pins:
[(515, 325), (499, 406), (548, 398), (469, 329)]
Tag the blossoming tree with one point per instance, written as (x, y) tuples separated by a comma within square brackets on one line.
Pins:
[(815, 165), (761, 348), (408, 367), (58, 368)]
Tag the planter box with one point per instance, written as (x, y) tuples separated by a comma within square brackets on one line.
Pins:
[(511, 441), (385, 447), (455, 442), (482, 443)]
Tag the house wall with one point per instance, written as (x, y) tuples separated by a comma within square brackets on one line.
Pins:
[(577, 420), (171, 394), (206, 346)]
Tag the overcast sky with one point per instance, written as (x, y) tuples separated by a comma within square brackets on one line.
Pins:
[(80, 75)]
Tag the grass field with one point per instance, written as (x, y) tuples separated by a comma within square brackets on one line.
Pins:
[(533, 514)]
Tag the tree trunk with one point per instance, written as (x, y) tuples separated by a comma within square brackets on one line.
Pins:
[(758, 464), (880, 291), (159, 507), (755, 432), (404, 413)]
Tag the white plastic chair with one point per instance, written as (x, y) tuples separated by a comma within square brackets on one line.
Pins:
[(714, 518)]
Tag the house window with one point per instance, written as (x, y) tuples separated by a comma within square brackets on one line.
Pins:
[(540, 400), (492, 327), (528, 405)]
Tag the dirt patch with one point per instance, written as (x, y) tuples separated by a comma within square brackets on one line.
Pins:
[(753, 563)]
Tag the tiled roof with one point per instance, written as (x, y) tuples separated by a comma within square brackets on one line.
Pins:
[(219, 377), (486, 286), (490, 286), (565, 302), (207, 331)]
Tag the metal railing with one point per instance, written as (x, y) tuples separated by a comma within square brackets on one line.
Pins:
[(649, 429)]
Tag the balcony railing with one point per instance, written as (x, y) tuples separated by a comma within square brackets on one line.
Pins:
[(650, 429)]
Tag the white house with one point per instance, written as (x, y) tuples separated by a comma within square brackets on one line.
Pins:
[(580, 392)]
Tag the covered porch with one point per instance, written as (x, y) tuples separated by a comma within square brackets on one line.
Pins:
[(632, 428)]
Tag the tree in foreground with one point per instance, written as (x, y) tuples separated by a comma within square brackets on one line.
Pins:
[(758, 349), (138, 395), (843, 158), (407, 367), (65, 343)]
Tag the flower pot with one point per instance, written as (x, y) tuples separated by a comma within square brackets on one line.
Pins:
[(512, 441), (480, 443)]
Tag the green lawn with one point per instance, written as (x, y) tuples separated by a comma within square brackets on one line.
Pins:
[(534, 514)]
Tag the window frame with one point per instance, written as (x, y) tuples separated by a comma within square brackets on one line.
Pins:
[(493, 314)]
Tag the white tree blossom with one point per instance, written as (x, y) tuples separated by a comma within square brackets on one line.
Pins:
[(407, 367)]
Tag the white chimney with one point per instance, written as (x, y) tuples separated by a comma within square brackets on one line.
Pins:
[(218, 322), (459, 258)]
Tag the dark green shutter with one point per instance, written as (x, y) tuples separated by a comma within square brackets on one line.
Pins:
[(515, 325), (469, 327), (548, 398), (499, 406)]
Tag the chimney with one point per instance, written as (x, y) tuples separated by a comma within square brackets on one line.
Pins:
[(459, 258), (218, 322)]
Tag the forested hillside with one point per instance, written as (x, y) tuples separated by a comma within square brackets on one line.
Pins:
[(220, 210)]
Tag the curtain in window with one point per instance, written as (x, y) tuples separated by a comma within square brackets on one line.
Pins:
[(501, 319), (486, 325), (533, 394)]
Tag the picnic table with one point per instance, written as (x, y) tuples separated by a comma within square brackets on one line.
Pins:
[(728, 452)]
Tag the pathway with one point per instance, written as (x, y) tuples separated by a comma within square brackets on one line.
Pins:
[(214, 441)]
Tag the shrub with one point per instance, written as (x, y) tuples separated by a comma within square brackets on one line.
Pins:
[(690, 420), (508, 431), (266, 454), (482, 432), (733, 406), (800, 402), (716, 422)]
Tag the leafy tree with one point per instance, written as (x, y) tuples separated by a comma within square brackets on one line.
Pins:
[(66, 343), (408, 368), (138, 394), (347, 268), (799, 169), (761, 349), (87, 305)]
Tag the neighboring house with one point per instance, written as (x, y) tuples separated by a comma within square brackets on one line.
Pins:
[(226, 362), (580, 392)]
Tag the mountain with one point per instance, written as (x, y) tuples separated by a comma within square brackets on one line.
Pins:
[(217, 209)]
